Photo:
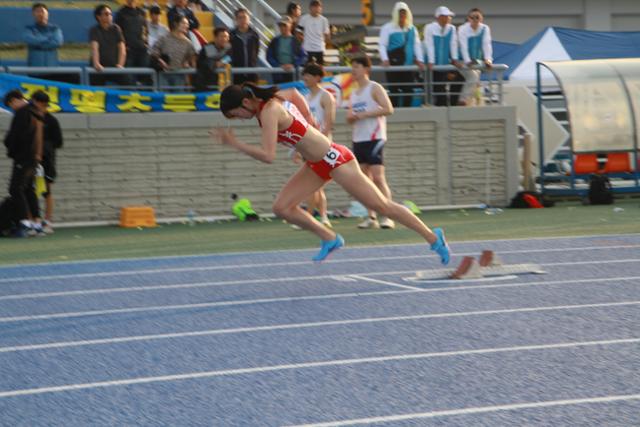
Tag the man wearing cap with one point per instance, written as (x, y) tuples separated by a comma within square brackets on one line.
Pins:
[(441, 45), (400, 45), (285, 51)]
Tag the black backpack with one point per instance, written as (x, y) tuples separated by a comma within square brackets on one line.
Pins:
[(600, 192), (7, 215)]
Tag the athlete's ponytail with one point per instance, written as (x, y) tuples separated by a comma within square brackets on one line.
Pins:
[(231, 98), (263, 93)]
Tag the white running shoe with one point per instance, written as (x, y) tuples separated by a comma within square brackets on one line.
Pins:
[(47, 227), (296, 227), (36, 230), (369, 223), (387, 223)]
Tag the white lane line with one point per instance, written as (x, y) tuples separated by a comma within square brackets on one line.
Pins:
[(475, 410), (65, 315), (166, 287), (210, 332), (307, 365), (290, 263), (340, 278), (612, 261), (383, 282)]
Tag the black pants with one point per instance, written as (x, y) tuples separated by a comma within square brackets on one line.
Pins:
[(22, 192), (138, 58), (110, 79), (441, 96), (402, 77), (318, 56)]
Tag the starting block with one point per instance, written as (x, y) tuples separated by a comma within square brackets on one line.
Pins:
[(487, 265)]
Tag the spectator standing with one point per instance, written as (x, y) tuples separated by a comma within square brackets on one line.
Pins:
[(107, 46), (476, 49), (294, 11), (316, 32), (286, 52), (400, 45), (24, 143), (155, 29), (174, 52), (212, 57), (441, 43), (369, 106), (133, 23), (245, 44), (52, 142), (42, 38), (180, 8)]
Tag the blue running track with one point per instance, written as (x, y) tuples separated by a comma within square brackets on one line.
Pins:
[(273, 339)]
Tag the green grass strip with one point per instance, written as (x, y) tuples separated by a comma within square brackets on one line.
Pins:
[(70, 244)]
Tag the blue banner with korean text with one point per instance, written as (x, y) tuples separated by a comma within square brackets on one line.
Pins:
[(73, 98), (70, 98)]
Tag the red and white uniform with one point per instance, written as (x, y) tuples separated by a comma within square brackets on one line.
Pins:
[(335, 157)]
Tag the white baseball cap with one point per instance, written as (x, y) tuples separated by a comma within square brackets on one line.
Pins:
[(444, 11)]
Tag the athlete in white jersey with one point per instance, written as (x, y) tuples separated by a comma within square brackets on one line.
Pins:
[(369, 107), (323, 108)]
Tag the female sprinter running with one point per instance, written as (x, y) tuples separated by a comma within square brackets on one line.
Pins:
[(281, 121)]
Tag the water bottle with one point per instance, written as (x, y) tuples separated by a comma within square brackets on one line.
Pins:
[(191, 218)]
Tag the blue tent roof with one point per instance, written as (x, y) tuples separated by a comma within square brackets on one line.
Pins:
[(502, 48), (582, 44), (578, 44)]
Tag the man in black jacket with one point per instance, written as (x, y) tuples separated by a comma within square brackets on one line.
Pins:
[(245, 44), (52, 142), (25, 143), (132, 21), (212, 57)]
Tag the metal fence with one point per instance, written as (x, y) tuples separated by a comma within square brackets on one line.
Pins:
[(422, 88)]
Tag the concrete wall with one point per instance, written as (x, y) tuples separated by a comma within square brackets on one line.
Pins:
[(168, 161)]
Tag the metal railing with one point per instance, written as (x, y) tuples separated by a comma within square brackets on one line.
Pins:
[(422, 88), (126, 78), (228, 7), (74, 73)]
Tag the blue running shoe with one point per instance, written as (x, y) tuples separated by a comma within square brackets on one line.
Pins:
[(328, 246), (440, 247)]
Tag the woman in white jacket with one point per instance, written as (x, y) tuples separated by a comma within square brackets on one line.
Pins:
[(475, 47)]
